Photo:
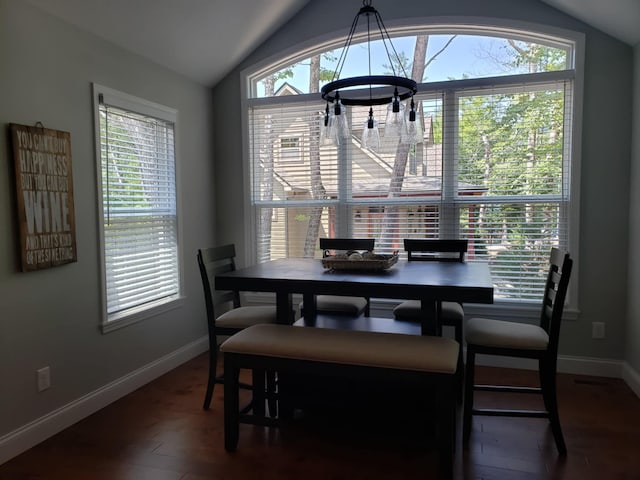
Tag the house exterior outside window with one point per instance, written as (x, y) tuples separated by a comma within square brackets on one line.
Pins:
[(493, 163)]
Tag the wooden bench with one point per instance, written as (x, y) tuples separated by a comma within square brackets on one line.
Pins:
[(410, 359)]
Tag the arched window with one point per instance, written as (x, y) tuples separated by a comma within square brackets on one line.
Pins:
[(491, 163)]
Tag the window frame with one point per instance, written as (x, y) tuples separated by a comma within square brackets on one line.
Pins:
[(518, 30), (291, 150), (149, 309)]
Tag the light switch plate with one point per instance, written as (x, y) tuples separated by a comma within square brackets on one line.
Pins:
[(44, 378)]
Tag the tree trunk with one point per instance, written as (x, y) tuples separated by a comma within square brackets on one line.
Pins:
[(318, 191), (388, 238)]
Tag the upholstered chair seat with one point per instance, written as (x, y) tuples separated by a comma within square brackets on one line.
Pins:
[(498, 333), (243, 317)]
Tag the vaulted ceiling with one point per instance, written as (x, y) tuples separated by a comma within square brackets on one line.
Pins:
[(201, 39), (205, 39), (618, 18)]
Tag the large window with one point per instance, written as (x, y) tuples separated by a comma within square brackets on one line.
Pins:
[(492, 163), (137, 179)]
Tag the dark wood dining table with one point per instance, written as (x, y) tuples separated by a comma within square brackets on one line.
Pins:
[(429, 282)]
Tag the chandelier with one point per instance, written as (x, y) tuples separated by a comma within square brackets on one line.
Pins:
[(382, 90)]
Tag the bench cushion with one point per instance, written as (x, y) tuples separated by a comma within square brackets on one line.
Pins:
[(371, 349)]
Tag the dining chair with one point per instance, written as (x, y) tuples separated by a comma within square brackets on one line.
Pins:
[(338, 304), (211, 262), (512, 339), (449, 313)]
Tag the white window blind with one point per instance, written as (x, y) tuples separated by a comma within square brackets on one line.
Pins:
[(513, 142), (307, 186), (493, 167), (140, 223)]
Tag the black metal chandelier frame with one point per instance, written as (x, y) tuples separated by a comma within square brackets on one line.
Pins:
[(404, 87)]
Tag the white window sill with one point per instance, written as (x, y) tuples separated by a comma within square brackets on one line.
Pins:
[(135, 315)]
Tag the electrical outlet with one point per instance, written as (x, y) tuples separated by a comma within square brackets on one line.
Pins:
[(44, 378), (597, 330)]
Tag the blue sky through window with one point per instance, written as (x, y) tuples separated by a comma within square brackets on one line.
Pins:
[(467, 56)]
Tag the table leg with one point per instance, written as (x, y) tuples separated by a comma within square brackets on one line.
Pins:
[(430, 318), (284, 308), (310, 306)]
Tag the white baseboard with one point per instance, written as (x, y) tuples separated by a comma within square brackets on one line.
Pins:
[(632, 378), (596, 367), (31, 434), (566, 364)]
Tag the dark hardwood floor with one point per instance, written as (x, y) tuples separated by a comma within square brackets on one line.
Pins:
[(160, 432)]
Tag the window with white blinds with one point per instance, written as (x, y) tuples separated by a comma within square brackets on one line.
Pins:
[(137, 177), (493, 166)]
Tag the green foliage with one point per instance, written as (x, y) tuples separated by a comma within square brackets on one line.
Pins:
[(122, 173), (284, 73), (327, 71), (512, 144), (536, 57), (400, 65)]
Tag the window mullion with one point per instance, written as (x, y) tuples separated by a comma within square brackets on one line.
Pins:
[(343, 226), (448, 210)]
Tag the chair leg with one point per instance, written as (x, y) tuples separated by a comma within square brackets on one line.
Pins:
[(459, 338), (272, 401), (543, 379), (549, 393), (231, 407), (468, 394), (211, 382)]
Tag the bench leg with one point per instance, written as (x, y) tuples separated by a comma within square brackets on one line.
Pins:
[(231, 403), (285, 389), (446, 429), (258, 381), (272, 386)]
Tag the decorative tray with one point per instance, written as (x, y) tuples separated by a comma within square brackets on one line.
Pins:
[(360, 261)]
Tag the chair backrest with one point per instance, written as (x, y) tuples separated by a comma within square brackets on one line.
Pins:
[(555, 293), (435, 250), (212, 261), (331, 244)]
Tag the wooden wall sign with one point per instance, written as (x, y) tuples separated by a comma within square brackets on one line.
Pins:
[(44, 186)]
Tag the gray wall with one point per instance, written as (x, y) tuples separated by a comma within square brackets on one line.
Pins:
[(606, 147), (51, 317), (633, 324)]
